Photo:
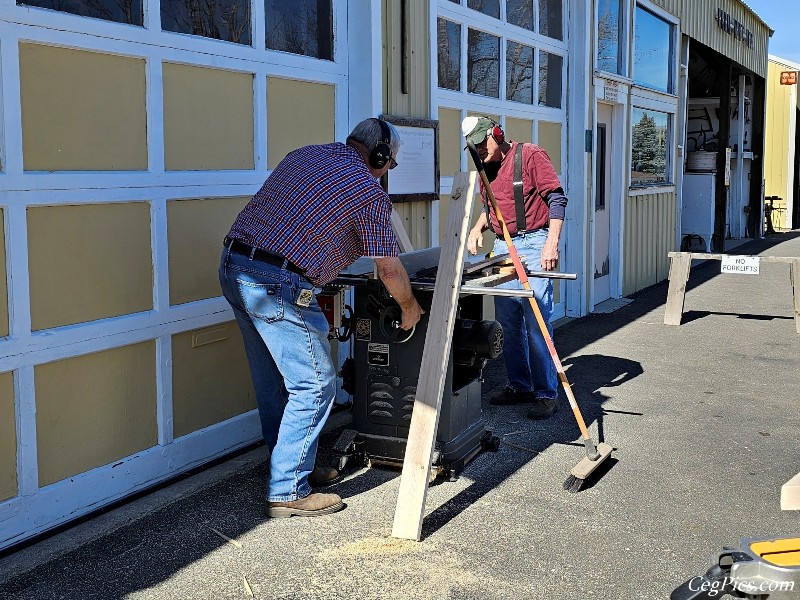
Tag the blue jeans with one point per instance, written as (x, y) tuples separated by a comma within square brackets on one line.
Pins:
[(290, 363), (527, 359)]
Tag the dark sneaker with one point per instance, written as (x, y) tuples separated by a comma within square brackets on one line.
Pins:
[(543, 408), (323, 477), (313, 505), (511, 396)]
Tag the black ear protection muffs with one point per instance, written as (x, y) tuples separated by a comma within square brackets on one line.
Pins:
[(382, 153), (498, 135)]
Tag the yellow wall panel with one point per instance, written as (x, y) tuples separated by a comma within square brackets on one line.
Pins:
[(82, 111), (287, 99), (519, 130), (550, 140), (211, 379), (649, 235), (414, 101), (8, 438), (208, 119), (451, 142), (3, 287), (781, 107), (88, 262), (196, 229), (95, 409)]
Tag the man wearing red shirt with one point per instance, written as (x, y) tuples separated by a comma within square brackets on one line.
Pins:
[(531, 199)]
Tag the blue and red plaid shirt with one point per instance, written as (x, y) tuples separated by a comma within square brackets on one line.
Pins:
[(322, 209)]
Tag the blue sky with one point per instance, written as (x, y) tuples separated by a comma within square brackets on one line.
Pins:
[(784, 17)]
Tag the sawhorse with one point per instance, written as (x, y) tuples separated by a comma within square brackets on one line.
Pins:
[(681, 264)]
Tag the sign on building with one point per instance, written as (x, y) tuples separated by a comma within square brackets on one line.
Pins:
[(788, 77)]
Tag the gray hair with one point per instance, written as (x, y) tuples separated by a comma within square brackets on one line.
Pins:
[(369, 133)]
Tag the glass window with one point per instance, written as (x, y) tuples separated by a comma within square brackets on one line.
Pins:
[(449, 54), (609, 34), (300, 27), (551, 67), (649, 143), (483, 63), (520, 13), (519, 73), (227, 20), (487, 7), (550, 23), (120, 11), (652, 51)]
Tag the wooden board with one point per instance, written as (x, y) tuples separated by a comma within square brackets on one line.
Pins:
[(413, 492), (790, 494), (679, 268), (400, 233), (794, 275)]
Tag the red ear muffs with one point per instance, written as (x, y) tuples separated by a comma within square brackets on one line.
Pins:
[(498, 135)]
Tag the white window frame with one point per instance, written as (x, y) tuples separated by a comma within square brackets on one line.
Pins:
[(674, 23)]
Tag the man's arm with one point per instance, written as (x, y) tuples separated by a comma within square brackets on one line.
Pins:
[(475, 238), (550, 250), (393, 275)]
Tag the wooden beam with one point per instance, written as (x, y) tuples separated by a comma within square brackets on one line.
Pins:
[(794, 275), (679, 268), (790, 494), (400, 232), (413, 492)]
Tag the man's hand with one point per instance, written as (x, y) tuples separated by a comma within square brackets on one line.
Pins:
[(394, 277), (550, 250), (412, 313), (474, 241)]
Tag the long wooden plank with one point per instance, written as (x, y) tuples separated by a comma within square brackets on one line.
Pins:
[(679, 268), (413, 492), (794, 275), (400, 232), (790, 494)]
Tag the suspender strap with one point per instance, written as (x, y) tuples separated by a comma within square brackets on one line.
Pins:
[(519, 201)]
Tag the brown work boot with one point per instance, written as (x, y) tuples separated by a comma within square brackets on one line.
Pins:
[(313, 505), (511, 396), (543, 408), (323, 477)]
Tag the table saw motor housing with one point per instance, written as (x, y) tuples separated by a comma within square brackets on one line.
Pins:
[(384, 374)]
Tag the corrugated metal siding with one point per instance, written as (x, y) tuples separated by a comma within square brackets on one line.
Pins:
[(674, 7), (649, 235), (698, 22), (781, 102), (416, 102)]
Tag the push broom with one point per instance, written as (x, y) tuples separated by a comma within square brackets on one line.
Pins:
[(595, 454)]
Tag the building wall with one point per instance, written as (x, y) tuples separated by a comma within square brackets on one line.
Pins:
[(649, 235), (779, 150), (698, 22)]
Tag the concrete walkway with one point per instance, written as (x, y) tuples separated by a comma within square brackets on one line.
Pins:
[(706, 424)]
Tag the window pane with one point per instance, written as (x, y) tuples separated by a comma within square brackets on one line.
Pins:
[(520, 13), (550, 70), (519, 73), (652, 53), (483, 64), (227, 20), (300, 27), (487, 7), (121, 11), (550, 19), (649, 144), (449, 53), (609, 32)]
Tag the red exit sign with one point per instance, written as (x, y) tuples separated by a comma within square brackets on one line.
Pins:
[(789, 78)]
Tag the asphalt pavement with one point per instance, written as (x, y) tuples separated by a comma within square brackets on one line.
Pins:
[(706, 428)]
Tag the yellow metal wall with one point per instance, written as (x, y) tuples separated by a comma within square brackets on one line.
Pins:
[(286, 130), (88, 262), (203, 393), (415, 102), (196, 229), (649, 235), (698, 22), (208, 118), (674, 7), (81, 111), (450, 142), (92, 410), (8, 438), (3, 288), (781, 123)]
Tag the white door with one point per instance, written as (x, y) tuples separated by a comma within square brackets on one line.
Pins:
[(602, 206)]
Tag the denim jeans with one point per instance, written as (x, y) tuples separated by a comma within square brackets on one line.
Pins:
[(290, 363), (527, 359)]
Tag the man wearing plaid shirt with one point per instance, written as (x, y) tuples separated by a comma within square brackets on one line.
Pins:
[(320, 209)]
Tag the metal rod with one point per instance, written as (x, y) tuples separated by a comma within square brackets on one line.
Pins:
[(476, 289)]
